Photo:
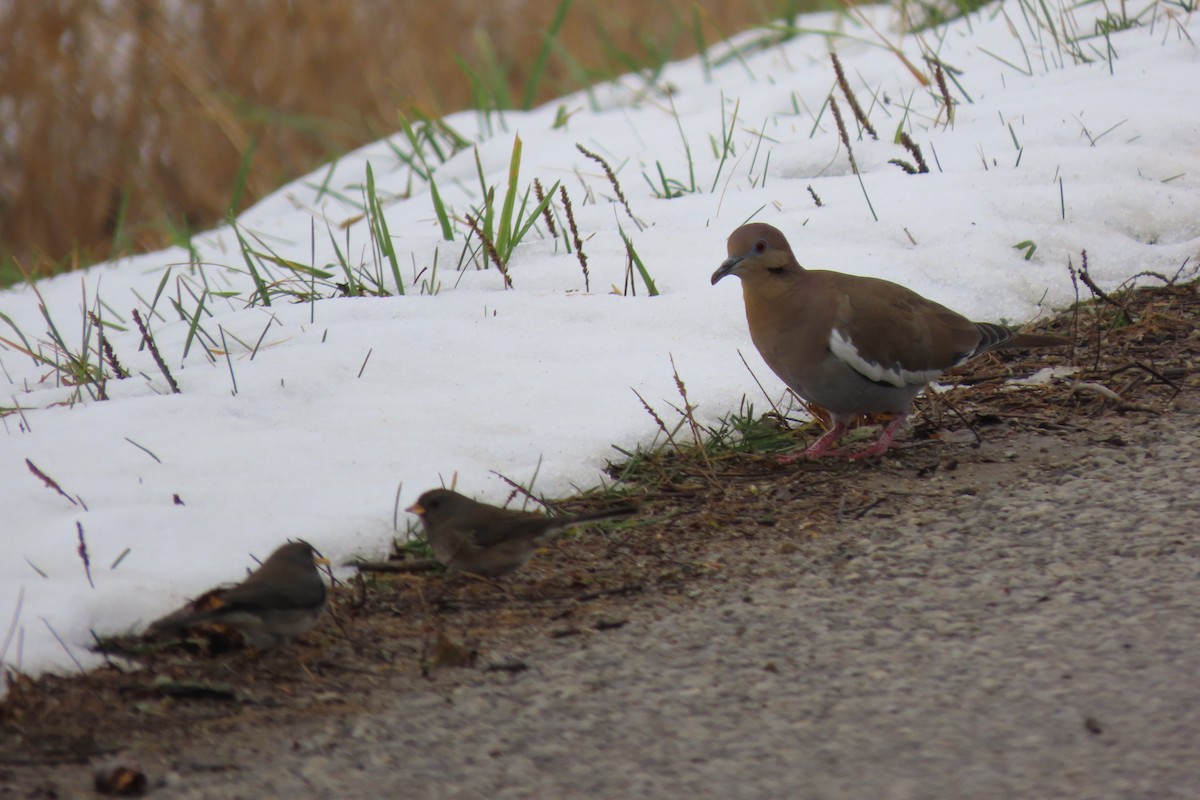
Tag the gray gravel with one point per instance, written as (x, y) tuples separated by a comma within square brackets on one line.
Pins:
[(1037, 639)]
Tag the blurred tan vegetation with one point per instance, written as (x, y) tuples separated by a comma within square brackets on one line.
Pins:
[(124, 125)]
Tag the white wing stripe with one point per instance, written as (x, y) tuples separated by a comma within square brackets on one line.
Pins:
[(844, 349)]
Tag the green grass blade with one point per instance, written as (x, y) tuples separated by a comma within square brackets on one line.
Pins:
[(504, 233), (538, 70), (243, 173), (379, 229), (259, 285), (637, 263)]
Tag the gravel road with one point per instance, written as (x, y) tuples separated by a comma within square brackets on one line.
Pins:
[(1027, 626)]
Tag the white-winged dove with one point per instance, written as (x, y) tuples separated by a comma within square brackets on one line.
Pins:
[(469, 536), (280, 600), (850, 344)]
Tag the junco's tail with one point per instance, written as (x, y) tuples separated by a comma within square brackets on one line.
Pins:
[(594, 516)]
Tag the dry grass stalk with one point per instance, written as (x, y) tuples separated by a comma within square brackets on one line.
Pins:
[(110, 356), (566, 201), (153, 105), (491, 250), (813, 193), (841, 126), (158, 359), (939, 77), (850, 98), (50, 482), (83, 554), (547, 217), (612, 178), (915, 149)]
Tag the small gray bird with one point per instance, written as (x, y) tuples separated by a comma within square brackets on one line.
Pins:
[(474, 537), (280, 600)]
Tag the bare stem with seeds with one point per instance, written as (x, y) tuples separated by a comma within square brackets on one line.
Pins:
[(491, 251), (546, 215), (612, 178), (158, 359), (566, 201), (850, 98)]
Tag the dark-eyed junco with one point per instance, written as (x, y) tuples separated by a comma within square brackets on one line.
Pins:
[(280, 600), (850, 344), (474, 537)]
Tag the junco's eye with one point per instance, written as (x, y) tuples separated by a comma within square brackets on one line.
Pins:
[(760, 246)]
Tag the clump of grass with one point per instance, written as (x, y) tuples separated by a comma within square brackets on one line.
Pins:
[(500, 232), (667, 188), (381, 238), (80, 367), (634, 262), (671, 460)]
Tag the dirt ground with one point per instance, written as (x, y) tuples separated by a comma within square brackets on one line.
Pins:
[(402, 656)]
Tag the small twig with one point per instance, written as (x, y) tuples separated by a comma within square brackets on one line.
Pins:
[(12, 625), (416, 565), (612, 178), (149, 340), (83, 554), (815, 197), (365, 360), (850, 98), (70, 655), (143, 449), (396, 508), (761, 388), (562, 193), (120, 558), (1086, 277), (228, 359), (970, 426), (1115, 372), (262, 336), (546, 215), (1096, 388), (50, 482)]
